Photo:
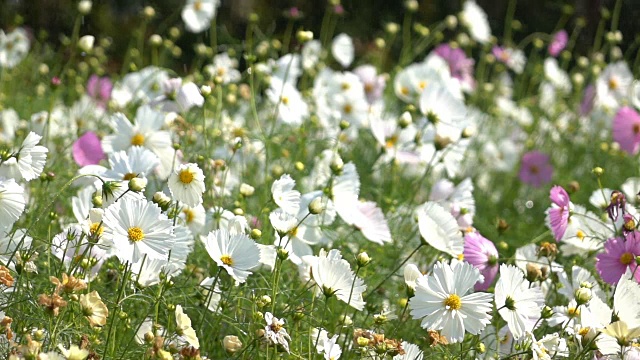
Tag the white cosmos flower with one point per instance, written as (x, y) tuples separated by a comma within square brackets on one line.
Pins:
[(443, 301), (194, 217), (135, 162), (11, 244), (225, 68), (613, 84), (446, 112), (237, 254), (14, 47), (411, 274), (625, 300), (342, 49), (29, 161), (370, 220), (12, 202), (274, 332), (212, 296), (311, 52), (334, 276), (137, 228), (440, 229), (411, 352), (145, 131), (518, 304), (186, 184), (475, 19), (197, 14), (184, 329), (292, 109), (284, 195), (139, 87), (178, 96)]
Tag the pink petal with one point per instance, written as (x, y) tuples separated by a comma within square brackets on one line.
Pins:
[(87, 149)]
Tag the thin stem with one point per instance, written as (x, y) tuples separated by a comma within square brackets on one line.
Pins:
[(396, 269)]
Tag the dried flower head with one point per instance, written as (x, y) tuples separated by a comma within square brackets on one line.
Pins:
[(52, 302)]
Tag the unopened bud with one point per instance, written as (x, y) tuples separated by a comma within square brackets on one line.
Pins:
[(583, 295), (363, 259), (316, 206), (232, 344), (84, 7), (246, 190), (137, 184)]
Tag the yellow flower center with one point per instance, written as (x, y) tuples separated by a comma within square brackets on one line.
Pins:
[(189, 215), (227, 260), (137, 140), (460, 257), (391, 142), (404, 90), (368, 88), (613, 83), (135, 234), (347, 109), (197, 5), (186, 176), (573, 312), (580, 234), (453, 302), (422, 85), (584, 331), (285, 100), (129, 176), (345, 86), (95, 229), (626, 258)]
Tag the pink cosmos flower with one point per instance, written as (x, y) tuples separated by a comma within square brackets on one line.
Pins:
[(460, 65), (588, 100), (559, 211), (559, 42), (99, 88), (619, 253), (87, 150), (626, 130), (535, 169), (481, 253)]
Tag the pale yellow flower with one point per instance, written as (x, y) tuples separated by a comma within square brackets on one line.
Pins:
[(94, 309)]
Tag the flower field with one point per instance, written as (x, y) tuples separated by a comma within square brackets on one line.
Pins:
[(443, 191)]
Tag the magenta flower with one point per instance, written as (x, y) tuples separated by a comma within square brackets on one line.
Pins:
[(559, 42), (99, 88), (87, 150), (481, 253), (619, 254), (559, 211), (626, 130), (535, 169), (460, 65)]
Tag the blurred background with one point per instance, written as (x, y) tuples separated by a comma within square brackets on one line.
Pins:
[(363, 19)]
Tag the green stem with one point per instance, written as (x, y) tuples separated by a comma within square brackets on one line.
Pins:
[(396, 269), (511, 9), (114, 316)]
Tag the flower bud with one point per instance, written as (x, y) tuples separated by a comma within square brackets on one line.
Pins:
[(231, 344), (583, 295), (84, 7), (162, 200), (316, 206), (547, 312), (137, 184), (363, 258), (155, 40), (304, 36), (86, 42), (255, 234), (246, 190)]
